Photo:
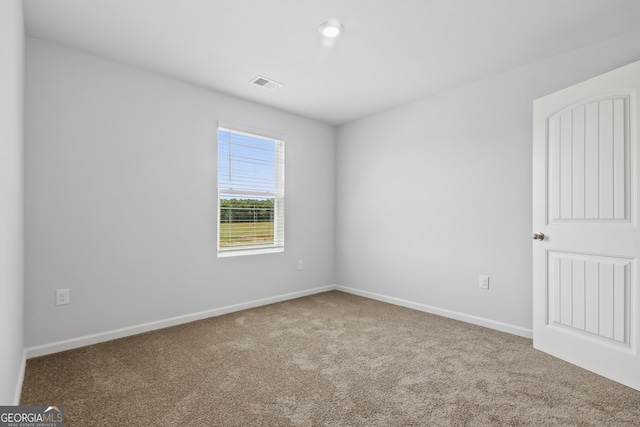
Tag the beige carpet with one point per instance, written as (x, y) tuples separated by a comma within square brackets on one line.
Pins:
[(331, 359)]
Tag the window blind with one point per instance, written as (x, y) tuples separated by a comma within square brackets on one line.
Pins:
[(250, 193)]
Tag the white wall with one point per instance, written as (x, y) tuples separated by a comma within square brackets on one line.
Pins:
[(432, 194), (11, 198), (121, 198)]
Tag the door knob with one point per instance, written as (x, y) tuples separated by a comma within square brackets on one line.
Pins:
[(538, 236)]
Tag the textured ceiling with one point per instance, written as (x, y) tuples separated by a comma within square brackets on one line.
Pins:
[(391, 53)]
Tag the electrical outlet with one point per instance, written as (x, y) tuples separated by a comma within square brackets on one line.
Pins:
[(300, 264), (63, 296), (483, 282)]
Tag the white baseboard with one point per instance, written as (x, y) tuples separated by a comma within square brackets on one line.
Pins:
[(487, 323), (23, 367), (56, 347)]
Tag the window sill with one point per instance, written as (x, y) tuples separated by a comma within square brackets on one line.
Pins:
[(253, 251)]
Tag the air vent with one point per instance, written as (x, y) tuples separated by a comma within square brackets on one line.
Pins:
[(266, 83)]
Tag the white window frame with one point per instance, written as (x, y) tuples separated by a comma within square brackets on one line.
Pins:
[(276, 193)]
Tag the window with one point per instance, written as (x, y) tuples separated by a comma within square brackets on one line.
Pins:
[(250, 193)]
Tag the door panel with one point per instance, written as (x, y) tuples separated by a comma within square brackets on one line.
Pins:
[(588, 161), (586, 288), (590, 294)]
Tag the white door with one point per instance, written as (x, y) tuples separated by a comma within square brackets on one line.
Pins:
[(586, 201)]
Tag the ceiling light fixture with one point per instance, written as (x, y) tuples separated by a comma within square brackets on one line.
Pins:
[(332, 28)]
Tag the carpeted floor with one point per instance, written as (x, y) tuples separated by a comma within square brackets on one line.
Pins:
[(331, 359)]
